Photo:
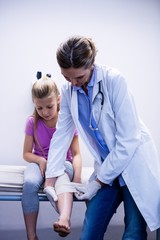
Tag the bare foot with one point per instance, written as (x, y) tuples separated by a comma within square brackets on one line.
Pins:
[(62, 227)]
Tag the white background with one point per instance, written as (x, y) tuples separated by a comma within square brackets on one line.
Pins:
[(126, 33)]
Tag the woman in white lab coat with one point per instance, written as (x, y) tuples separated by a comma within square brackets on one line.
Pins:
[(96, 101)]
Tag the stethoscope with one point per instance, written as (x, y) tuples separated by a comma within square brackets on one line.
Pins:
[(91, 114)]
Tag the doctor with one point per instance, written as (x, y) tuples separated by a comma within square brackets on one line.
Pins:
[(95, 99)]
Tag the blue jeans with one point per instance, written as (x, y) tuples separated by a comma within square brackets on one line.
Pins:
[(100, 210), (135, 225), (32, 181)]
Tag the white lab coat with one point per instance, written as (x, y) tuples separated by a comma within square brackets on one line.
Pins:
[(132, 151)]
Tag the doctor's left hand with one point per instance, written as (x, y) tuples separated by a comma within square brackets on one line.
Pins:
[(87, 191)]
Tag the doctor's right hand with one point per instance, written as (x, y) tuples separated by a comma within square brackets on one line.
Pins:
[(87, 191)]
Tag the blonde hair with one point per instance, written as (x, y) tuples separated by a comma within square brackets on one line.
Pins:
[(43, 87)]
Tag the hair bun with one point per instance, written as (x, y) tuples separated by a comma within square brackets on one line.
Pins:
[(39, 75), (48, 75)]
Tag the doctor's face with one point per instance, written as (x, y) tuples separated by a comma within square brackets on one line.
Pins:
[(77, 76)]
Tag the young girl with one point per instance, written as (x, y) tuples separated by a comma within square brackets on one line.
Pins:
[(38, 132)]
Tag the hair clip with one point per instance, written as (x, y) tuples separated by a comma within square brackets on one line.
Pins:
[(39, 75), (48, 75)]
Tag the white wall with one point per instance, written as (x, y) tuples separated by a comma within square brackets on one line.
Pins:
[(126, 32)]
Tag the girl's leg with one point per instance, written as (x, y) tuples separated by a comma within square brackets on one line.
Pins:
[(30, 223), (30, 201), (49, 190), (135, 225), (69, 169), (100, 210), (64, 206)]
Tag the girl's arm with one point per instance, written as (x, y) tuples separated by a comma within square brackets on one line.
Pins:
[(77, 160), (31, 157)]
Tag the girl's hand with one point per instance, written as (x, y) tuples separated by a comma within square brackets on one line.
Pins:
[(42, 165)]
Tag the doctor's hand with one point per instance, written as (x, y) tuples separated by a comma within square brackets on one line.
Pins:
[(87, 191)]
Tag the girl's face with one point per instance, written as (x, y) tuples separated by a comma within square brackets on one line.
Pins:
[(77, 76), (47, 107)]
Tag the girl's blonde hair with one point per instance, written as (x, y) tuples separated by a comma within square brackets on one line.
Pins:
[(43, 87)]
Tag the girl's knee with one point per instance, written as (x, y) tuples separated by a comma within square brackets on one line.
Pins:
[(30, 186)]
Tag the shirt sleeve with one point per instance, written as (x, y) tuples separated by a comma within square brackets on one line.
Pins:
[(29, 128), (62, 138)]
